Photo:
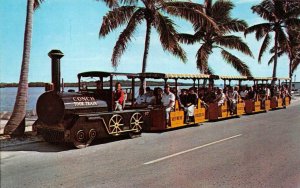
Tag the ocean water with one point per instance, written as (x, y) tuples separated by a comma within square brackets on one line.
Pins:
[(8, 97)]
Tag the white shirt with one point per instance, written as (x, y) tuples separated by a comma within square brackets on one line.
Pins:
[(235, 96), (166, 98), (221, 98), (243, 93), (150, 99), (268, 92), (141, 99)]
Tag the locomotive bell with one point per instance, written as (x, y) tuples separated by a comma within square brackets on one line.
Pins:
[(55, 56)]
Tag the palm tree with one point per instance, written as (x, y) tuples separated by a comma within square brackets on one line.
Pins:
[(295, 46), (151, 12), (279, 14), (292, 49), (16, 124), (210, 37)]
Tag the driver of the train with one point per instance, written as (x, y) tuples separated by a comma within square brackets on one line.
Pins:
[(168, 101), (99, 85), (119, 97)]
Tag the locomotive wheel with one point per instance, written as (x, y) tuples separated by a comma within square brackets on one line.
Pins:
[(136, 122), (80, 140), (115, 122)]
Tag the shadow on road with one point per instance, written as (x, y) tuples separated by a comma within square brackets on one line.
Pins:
[(42, 146)]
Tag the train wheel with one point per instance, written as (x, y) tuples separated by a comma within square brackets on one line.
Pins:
[(115, 122), (136, 122), (80, 140)]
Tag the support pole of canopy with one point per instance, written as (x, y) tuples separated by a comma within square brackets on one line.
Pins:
[(133, 92)]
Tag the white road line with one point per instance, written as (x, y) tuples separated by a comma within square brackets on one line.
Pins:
[(192, 149)]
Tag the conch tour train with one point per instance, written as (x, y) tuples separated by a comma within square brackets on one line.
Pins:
[(97, 111)]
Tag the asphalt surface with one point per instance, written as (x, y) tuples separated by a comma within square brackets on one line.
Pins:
[(261, 150)]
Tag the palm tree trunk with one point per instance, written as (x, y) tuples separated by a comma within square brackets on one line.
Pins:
[(146, 50), (275, 57), (290, 75), (16, 124)]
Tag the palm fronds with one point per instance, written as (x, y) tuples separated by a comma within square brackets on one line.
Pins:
[(220, 10), (168, 36), (238, 64), (116, 18), (233, 42), (265, 10), (187, 38), (280, 14), (195, 15), (260, 30), (111, 3), (264, 46), (279, 54), (202, 57), (126, 35), (37, 3), (234, 25)]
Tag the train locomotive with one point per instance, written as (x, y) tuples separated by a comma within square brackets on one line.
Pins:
[(83, 116)]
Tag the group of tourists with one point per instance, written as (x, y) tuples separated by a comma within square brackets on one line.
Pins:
[(165, 99), (188, 98)]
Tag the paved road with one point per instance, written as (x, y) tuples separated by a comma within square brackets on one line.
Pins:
[(261, 150)]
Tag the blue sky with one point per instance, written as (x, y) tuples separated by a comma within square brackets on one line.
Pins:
[(73, 26)]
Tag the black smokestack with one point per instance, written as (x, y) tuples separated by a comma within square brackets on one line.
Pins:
[(55, 56)]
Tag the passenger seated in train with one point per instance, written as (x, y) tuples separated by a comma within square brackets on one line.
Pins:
[(141, 98), (267, 91), (119, 97), (220, 98), (210, 95), (192, 100), (150, 98), (158, 92), (262, 95), (226, 90), (233, 97), (275, 93), (201, 93), (251, 94), (183, 98), (168, 101), (201, 96), (243, 92), (284, 94)]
